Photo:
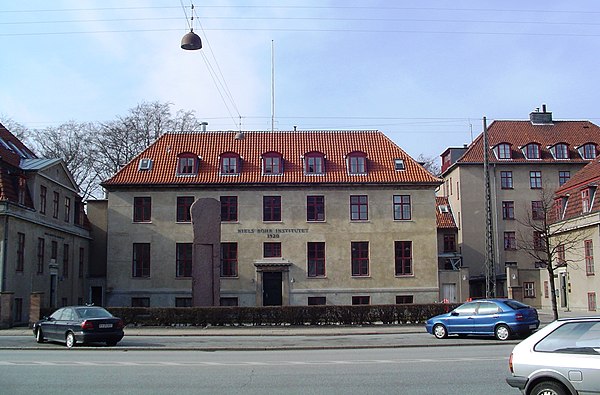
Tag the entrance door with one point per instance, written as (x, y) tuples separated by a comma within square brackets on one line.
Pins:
[(96, 296), (563, 290), (272, 289), (449, 292)]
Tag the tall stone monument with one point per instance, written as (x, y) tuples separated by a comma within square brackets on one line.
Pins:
[(206, 272)]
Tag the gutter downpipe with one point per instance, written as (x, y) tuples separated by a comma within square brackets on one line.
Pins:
[(3, 244)]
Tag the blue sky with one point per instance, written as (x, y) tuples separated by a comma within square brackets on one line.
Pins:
[(422, 72)]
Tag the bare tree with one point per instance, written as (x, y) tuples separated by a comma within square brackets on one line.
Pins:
[(430, 164), (548, 244), (71, 142), (16, 128)]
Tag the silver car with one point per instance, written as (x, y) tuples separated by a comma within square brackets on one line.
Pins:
[(561, 358)]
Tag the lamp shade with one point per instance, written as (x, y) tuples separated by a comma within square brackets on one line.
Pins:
[(191, 41)]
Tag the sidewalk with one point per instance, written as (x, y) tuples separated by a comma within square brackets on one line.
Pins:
[(545, 317)]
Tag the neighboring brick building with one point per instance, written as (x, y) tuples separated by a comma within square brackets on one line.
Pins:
[(311, 217), (576, 239), (527, 158), (44, 238)]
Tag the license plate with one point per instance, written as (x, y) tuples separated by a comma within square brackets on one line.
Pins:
[(105, 326), (532, 326)]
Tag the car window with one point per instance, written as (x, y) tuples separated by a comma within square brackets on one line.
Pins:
[(487, 308), (68, 315), (573, 337), (93, 313), (466, 309), (57, 314), (515, 305)]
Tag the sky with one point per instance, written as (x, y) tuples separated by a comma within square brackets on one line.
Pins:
[(424, 72)]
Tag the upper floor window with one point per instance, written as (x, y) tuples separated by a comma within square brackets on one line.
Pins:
[(359, 207), (187, 164), (563, 176), (357, 163), (314, 163), (560, 151), (230, 163), (271, 208), (535, 179), (21, 252), (403, 258), (449, 243), (560, 254), (360, 258), (538, 241), (142, 207), (589, 257), (315, 208), (537, 209), (272, 163), (55, 200), (587, 151), (183, 263), (272, 250), (506, 180), (532, 151), (229, 208), (43, 194), (183, 208), (140, 265), (503, 151), (402, 209), (587, 197), (316, 259), (67, 209), (508, 209)]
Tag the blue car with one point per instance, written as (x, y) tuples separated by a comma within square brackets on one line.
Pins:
[(502, 318)]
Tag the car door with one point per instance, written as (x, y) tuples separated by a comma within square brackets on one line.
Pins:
[(461, 318), (64, 323), (49, 326), (486, 317)]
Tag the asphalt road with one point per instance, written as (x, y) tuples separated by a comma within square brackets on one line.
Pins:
[(468, 369)]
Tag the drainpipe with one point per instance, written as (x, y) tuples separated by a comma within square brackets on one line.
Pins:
[(3, 244)]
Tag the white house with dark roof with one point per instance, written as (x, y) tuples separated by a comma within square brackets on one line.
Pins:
[(44, 237), (307, 217)]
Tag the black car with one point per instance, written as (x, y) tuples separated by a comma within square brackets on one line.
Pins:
[(80, 324)]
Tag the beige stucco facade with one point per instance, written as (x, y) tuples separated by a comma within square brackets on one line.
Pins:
[(337, 231)]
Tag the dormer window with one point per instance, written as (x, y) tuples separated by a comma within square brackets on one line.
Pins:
[(587, 151), (532, 151), (145, 164), (587, 199), (357, 163), (230, 163), (560, 151), (187, 164), (399, 164), (314, 163), (503, 151), (272, 163)]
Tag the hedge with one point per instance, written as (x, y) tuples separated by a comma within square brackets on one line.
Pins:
[(278, 315)]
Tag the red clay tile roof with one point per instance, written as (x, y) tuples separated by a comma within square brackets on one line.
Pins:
[(521, 133), (444, 220), (10, 167), (335, 145), (587, 177)]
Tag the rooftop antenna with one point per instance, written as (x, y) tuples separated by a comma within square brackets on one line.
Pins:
[(272, 86)]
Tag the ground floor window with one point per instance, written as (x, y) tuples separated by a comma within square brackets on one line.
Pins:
[(529, 289), (361, 300), (140, 302), (229, 301), (592, 301), (316, 300), (183, 302), (404, 299)]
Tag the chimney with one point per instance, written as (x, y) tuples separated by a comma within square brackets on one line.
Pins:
[(541, 118), (204, 125)]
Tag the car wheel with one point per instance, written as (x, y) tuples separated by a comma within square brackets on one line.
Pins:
[(440, 331), (39, 335), (70, 340), (548, 388), (502, 332)]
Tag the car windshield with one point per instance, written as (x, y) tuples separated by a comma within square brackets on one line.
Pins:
[(93, 313), (573, 337), (515, 305)]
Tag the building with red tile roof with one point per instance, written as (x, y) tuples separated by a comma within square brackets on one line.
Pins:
[(44, 236), (528, 159), (575, 239), (307, 217)]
